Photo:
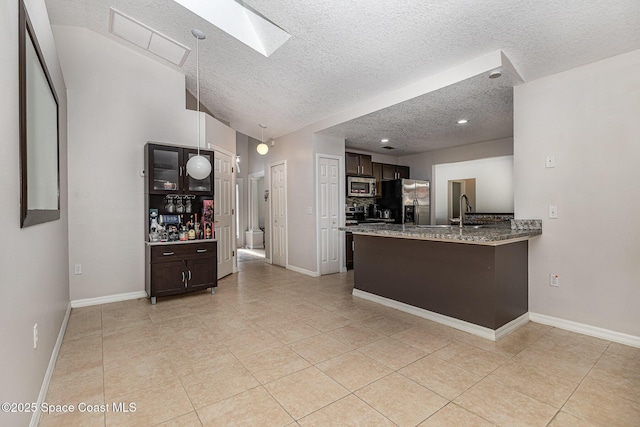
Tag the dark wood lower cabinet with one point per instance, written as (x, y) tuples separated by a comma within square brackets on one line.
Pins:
[(481, 284), (349, 249), (173, 269)]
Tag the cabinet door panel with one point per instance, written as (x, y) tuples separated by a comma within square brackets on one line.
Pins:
[(377, 174), (198, 186), (352, 163), (202, 273), (165, 169), (388, 172), (166, 278), (403, 172), (349, 250), (366, 168)]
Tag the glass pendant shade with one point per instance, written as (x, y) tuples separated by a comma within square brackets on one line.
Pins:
[(262, 148), (198, 167)]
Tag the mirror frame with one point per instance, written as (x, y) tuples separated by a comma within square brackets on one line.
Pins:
[(29, 216)]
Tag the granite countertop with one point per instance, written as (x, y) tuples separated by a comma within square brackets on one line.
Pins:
[(180, 242), (486, 235)]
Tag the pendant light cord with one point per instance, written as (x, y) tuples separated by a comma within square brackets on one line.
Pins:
[(198, 87)]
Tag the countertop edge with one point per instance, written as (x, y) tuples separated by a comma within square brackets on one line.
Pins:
[(180, 242), (450, 240)]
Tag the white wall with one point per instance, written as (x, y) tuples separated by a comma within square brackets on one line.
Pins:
[(118, 100), (242, 180), (422, 163), (588, 118), (297, 150), (34, 275), (494, 185), (215, 133)]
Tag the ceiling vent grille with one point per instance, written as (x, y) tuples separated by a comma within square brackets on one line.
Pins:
[(147, 38), (388, 147)]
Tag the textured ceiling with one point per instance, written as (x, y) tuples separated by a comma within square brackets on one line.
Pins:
[(341, 54)]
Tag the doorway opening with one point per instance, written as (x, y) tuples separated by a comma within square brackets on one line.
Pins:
[(458, 187)]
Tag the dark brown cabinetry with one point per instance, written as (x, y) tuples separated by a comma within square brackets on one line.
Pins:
[(167, 171), (349, 249), (377, 174), (387, 172), (358, 164), (390, 172), (177, 268)]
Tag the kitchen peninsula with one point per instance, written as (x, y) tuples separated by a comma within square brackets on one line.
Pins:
[(471, 278)]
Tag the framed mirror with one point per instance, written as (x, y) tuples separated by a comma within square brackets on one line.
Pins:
[(39, 131)]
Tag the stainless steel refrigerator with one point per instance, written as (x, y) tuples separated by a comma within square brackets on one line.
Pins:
[(408, 200)]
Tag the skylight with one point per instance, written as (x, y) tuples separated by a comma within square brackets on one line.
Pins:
[(240, 22)]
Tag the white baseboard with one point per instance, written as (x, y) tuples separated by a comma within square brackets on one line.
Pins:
[(107, 299), (35, 418), (303, 271), (471, 328), (581, 328)]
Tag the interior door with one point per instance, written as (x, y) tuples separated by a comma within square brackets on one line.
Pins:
[(223, 212), (329, 215), (278, 215)]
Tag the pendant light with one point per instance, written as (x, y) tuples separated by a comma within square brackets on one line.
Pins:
[(198, 167), (262, 147)]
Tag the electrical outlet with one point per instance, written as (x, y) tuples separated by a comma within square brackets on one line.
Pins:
[(554, 280), (77, 269), (35, 336), (553, 212)]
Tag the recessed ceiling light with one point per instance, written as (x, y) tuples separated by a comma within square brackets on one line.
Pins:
[(384, 140), (463, 121)]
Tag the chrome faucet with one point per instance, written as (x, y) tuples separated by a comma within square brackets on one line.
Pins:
[(467, 208)]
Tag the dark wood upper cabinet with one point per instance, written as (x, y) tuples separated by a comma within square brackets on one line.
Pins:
[(167, 171), (403, 172), (377, 174), (358, 164), (387, 172), (394, 172)]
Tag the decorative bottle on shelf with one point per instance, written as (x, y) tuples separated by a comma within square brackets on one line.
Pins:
[(192, 230), (187, 207)]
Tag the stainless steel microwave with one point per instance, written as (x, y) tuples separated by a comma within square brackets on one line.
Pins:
[(361, 187)]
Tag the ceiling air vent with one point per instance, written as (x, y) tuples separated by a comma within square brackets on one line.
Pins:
[(147, 38), (388, 147)]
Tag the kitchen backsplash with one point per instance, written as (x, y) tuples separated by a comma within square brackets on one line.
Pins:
[(360, 201)]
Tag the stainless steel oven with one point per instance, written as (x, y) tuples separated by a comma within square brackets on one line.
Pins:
[(361, 187)]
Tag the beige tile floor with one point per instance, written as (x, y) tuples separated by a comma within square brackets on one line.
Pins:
[(276, 348)]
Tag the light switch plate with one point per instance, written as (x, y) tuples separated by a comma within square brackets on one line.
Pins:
[(554, 280), (553, 212)]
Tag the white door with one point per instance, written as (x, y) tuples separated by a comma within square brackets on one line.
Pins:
[(279, 214), (329, 215), (223, 212)]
